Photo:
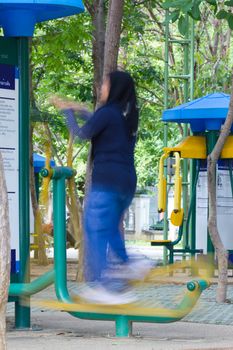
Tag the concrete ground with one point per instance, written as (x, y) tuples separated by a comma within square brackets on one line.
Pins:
[(60, 331), (208, 326)]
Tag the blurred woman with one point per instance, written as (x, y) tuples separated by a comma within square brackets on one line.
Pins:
[(112, 130)]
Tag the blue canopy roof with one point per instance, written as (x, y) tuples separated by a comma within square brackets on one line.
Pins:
[(18, 17), (39, 162), (205, 113)]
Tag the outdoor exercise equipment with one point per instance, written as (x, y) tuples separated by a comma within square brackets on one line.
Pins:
[(123, 315), (205, 116), (185, 80), (18, 19), (162, 188), (203, 142)]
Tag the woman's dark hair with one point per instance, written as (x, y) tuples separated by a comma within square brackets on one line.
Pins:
[(122, 92)]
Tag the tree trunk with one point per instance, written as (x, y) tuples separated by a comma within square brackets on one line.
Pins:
[(4, 255), (105, 56), (113, 35), (97, 13), (221, 252), (98, 20)]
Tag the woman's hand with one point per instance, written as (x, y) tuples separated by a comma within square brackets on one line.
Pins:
[(61, 103)]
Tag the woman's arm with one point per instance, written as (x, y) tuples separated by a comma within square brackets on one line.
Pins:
[(94, 125), (84, 114), (64, 104)]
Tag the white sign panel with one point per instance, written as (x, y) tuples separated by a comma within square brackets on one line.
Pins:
[(9, 127), (224, 209)]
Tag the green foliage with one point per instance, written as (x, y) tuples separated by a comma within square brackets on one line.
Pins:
[(195, 12), (193, 8), (182, 9), (62, 63), (212, 2), (222, 14), (183, 24), (228, 3)]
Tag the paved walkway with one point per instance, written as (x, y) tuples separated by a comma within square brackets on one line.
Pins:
[(208, 326), (59, 331)]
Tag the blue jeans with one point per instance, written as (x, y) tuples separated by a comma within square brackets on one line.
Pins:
[(102, 216)]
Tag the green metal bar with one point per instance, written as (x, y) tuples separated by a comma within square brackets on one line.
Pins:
[(186, 73), (22, 312), (27, 289), (37, 188), (171, 255), (192, 59), (166, 61), (181, 42), (201, 284), (188, 250), (59, 175), (180, 76), (59, 196), (193, 163), (173, 183), (165, 131), (58, 172), (185, 126), (123, 326), (180, 235), (192, 226)]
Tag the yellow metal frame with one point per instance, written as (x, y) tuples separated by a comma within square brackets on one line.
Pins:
[(177, 213), (162, 185), (193, 147), (227, 151), (178, 183)]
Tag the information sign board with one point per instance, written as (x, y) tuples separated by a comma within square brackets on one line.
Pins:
[(9, 144)]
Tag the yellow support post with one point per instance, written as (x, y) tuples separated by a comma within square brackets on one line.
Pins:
[(162, 186), (178, 183), (178, 212)]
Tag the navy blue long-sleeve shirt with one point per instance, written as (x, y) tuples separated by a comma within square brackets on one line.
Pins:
[(112, 147)]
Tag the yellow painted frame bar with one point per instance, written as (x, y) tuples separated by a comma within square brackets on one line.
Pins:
[(177, 213), (162, 185), (192, 147), (227, 151), (178, 183)]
